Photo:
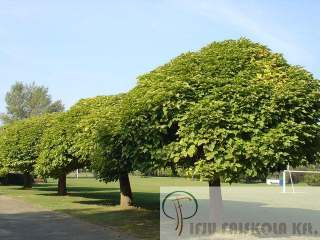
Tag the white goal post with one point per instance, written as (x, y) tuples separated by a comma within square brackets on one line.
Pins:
[(290, 177)]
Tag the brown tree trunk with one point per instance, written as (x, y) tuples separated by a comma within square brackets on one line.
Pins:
[(125, 191), (28, 181), (216, 204), (62, 185)]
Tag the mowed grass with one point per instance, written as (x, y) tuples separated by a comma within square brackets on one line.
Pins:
[(97, 202)]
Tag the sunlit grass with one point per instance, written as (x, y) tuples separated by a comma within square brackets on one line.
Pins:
[(97, 202)]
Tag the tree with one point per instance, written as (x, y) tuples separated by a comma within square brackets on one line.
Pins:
[(26, 100), (98, 136), (232, 108), (71, 142), (19, 145), (57, 157), (104, 130), (3, 169)]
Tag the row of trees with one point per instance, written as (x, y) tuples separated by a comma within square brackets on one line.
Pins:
[(230, 110)]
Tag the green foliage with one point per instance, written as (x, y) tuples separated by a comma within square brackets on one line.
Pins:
[(19, 143), (90, 125), (100, 134), (312, 179), (26, 100), (57, 155), (3, 171), (73, 141), (233, 108)]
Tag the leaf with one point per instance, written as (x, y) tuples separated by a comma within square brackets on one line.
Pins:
[(192, 150)]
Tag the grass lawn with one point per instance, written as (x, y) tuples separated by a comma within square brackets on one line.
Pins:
[(97, 202)]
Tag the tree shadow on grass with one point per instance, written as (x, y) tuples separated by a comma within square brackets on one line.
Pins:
[(110, 197), (53, 188), (102, 196), (150, 201)]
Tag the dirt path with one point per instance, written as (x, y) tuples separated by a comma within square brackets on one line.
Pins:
[(22, 221)]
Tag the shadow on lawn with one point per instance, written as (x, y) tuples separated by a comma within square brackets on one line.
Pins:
[(150, 201), (53, 188), (102, 196), (111, 197)]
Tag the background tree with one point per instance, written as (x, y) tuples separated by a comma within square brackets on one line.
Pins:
[(19, 146), (71, 142), (26, 100), (103, 129), (3, 169), (232, 108), (57, 156), (97, 137)]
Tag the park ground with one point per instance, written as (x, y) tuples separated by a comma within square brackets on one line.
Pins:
[(96, 202), (21, 220)]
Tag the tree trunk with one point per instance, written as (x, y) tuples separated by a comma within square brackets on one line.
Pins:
[(62, 185), (125, 191), (216, 204), (27, 181)]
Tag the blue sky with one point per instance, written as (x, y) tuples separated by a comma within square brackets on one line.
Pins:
[(86, 48)]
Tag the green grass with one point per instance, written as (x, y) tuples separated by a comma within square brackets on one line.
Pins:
[(97, 202)]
